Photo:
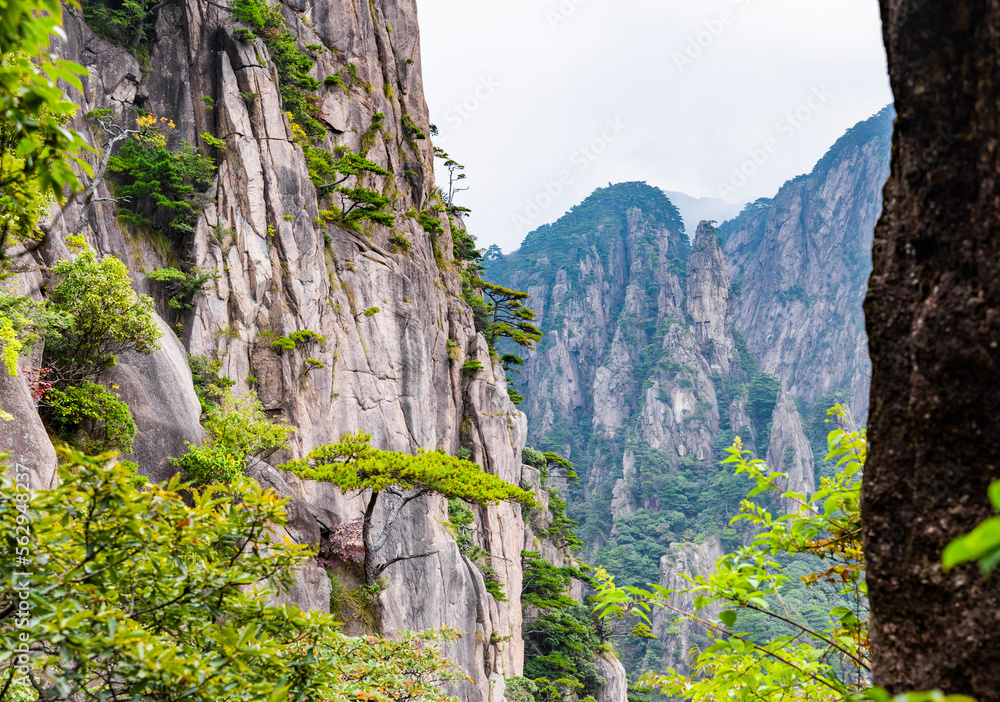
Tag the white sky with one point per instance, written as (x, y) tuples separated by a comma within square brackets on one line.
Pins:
[(628, 79)]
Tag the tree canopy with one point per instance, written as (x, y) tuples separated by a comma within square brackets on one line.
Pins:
[(134, 594), (353, 464)]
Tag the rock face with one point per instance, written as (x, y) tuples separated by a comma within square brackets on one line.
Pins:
[(160, 394), (616, 687), (709, 302), (392, 330), (24, 437), (679, 637), (658, 353), (801, 261), (639, 378), (789, 451)]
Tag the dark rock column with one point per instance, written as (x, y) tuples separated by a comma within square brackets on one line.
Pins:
[(933, 318)]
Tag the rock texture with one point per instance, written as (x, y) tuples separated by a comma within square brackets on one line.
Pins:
[(933, 315), (789, 450), (800, 262), (394, 326), (679, 636)]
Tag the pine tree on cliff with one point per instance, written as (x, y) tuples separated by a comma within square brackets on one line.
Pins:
[(352, 464), (933, 317)]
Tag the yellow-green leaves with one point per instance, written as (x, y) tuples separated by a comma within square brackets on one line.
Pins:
[(37, 151), (982, 545), (135, 594), (352, 464), (103, 316)]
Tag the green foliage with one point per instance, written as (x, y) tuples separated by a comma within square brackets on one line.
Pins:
[(239, 424), (371, 312), (101, 317), (460, 521), (353, 465), (814, 657), (159, 188), (37, 150), (533, 458), (521, 689), (465, 245), (507, 317), (330, 175), (472, 367), (210, 465), (90, 417), (760, 406), (399, 242), (137, 595), (564, 643), (545, 585), (238, 431), (181, 286), (123, 23), (306, 336), (410, 129), (209, 385), (282, 343), (562, 530), (982, 544)]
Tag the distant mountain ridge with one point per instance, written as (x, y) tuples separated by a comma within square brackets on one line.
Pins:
[(659, 350)]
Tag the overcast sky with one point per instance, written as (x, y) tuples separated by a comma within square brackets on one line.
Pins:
[(545, 100)]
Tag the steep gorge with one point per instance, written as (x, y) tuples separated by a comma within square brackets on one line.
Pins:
[(659, 352)]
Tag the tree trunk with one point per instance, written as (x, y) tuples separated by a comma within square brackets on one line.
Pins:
[(933, 317)]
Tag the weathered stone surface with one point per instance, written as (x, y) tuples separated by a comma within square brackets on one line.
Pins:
[(615, 688), (692, 560), (24, 437), (709, 303), (789, 450), (801, 261), (394, 373), (160, 394)]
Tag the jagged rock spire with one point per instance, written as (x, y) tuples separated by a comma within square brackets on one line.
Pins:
[(709, 299)]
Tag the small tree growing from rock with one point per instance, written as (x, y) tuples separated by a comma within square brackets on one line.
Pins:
[(353, 465)]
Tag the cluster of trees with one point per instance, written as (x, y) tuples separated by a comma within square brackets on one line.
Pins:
[(108, 591)]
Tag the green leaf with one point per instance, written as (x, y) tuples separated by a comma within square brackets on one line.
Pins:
[(982, 542), (728, 617)]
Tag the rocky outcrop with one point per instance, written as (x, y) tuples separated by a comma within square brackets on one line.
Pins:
[(679, 636), (789, 451), (160, 394), (24, 437), (709, 304), (616, 687), (391, 328), (800, 262)]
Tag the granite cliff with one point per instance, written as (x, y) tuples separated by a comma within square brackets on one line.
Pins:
[(658, 352), (391, 330)]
